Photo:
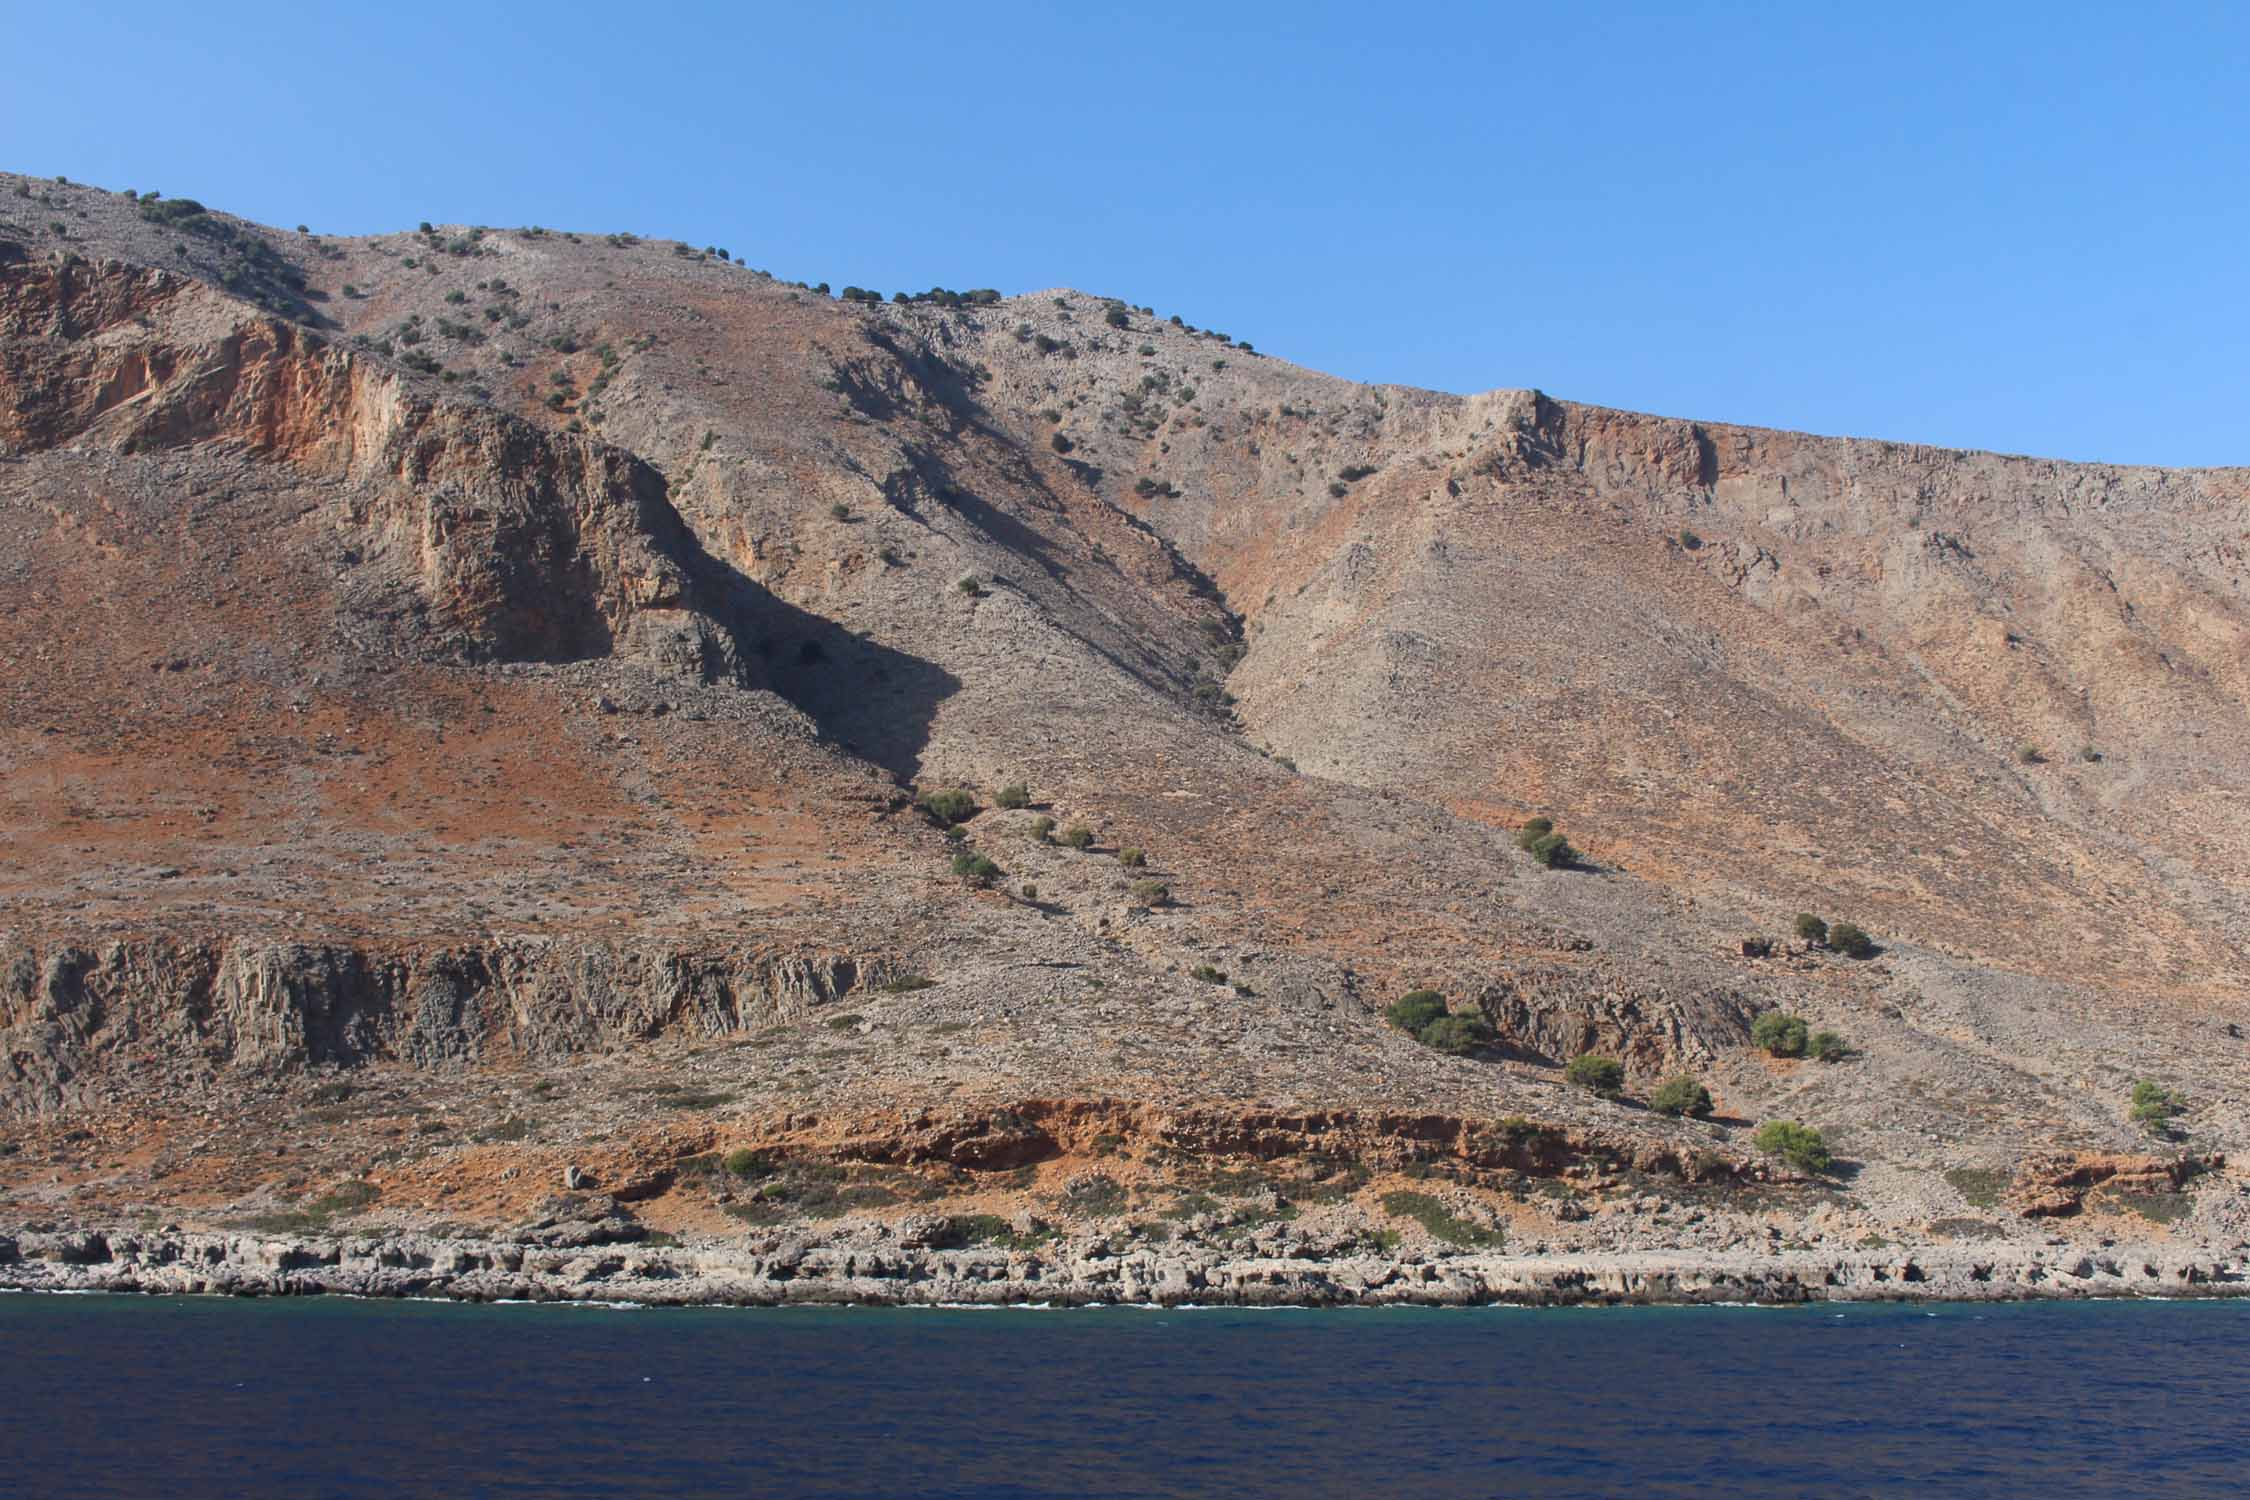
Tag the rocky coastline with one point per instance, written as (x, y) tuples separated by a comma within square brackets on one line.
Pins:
[(794, 1272)]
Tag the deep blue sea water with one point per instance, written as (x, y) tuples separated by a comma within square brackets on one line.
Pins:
[(184, 1398)]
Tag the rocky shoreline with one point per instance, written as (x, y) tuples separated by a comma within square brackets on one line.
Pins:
[(796, 1272)]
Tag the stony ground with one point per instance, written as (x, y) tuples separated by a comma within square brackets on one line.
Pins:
[(463, 695)]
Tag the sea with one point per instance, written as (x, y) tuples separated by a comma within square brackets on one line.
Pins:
[(175, 1398)]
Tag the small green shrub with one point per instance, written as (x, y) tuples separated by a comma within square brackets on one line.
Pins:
[(1850, 941), (1811, 929), (2154, 1107), (1029, 892), (1078, 836), (1131, 859), (1043, 829), (1456, 1035), (744, 1162), (1590, 1070), (906, 984), (1798, 1145), (949, 807), (1208, 974), (1415, 1010), (1533, 830), (1015, 796), (976, 869), (1780, 1033), (1422, 1014), (1554, 852), (971, 587), (1827, 1047), (1681, 1095), (1152, 893), (840, 511)]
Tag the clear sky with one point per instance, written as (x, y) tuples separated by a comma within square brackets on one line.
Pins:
[(2021, 227)]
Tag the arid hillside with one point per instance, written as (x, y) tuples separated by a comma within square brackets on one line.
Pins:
[(467, 698)]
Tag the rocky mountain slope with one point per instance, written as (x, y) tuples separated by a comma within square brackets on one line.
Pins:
[(464, 696)]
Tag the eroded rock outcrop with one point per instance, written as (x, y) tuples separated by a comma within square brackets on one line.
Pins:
[(524, 545), (1554, 1012), (65, 1008), (881, 1268), (2054, 1185)]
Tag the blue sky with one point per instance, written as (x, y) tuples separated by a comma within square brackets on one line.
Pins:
[(1995, 226)]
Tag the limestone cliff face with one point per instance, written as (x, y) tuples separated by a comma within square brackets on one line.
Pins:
[(66, 1010), (526, 545)]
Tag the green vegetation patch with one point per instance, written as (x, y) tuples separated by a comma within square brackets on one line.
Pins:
[(2154, 1107), (968, 1231), (1979, 1187), (680, 1096), (1327, 1182), (977, 869), (810, 1190), (1781, 1034), (1422, 1014), (2157, 1208), (1095, 1196), (1681, 1095), (1799, 1145), (1415, 1010), (949, 807), (1848, 939), (1603, 1075), (1440, 1222), (311, 1217)]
